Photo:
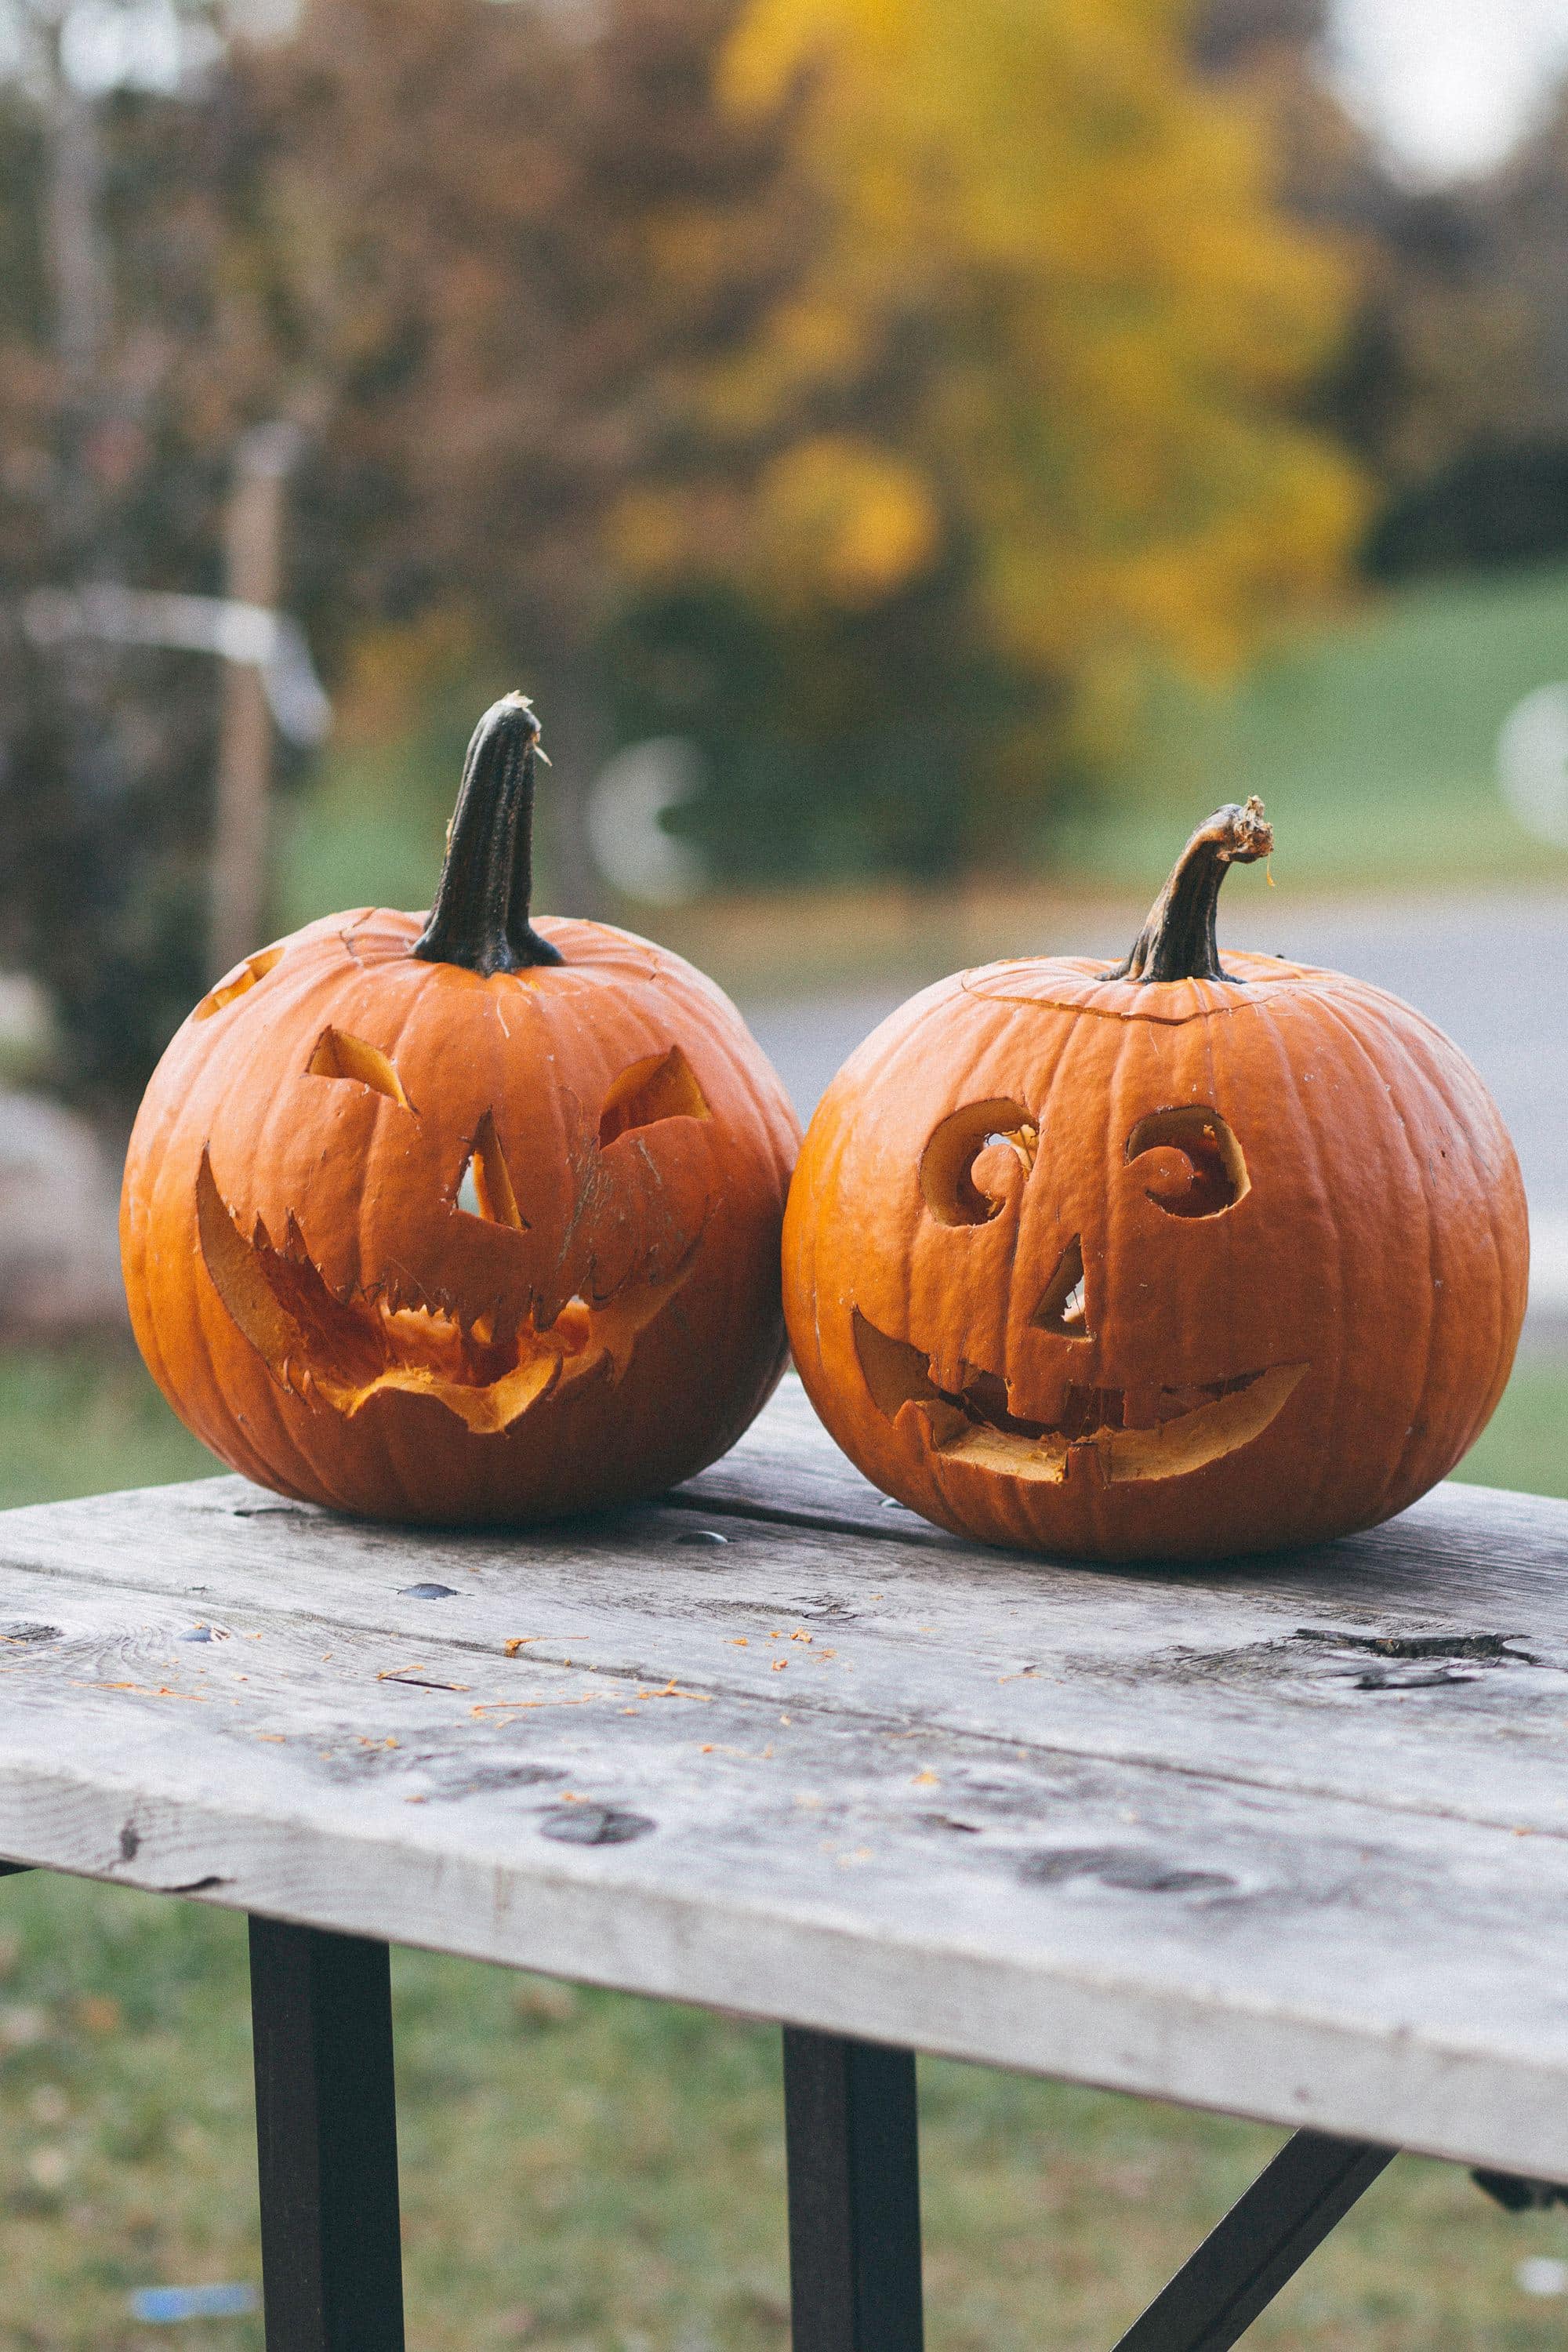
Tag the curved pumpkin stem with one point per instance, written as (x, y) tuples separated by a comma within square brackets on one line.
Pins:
[(480, 916), (1178, 942)]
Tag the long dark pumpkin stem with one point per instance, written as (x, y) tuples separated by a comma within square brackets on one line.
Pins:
[(1178, 942), (480, 916)]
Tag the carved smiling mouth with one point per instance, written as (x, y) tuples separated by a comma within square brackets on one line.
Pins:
[(343, 1350), (1188, 1427)]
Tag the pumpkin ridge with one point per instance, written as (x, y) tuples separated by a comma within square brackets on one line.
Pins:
[(1289, 1103), (1482, 1221)]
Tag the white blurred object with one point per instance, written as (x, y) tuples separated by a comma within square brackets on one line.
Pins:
[(1533, 763), (1541, 2275), (273, 641), (27, 1023), (1549, 1262), (1448, 85), (627, 807), (59, 1258), (131, 45)]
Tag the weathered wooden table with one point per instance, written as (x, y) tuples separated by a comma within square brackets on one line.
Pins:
[(1288, 1839)]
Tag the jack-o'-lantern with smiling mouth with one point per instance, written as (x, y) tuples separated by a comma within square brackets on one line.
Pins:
[(457, 1218), (1176, 1261)]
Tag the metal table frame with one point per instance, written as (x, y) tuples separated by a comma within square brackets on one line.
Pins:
[(326, 2133)]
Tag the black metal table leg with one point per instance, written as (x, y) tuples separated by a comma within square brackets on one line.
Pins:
[(326, 2130), (854, 2195), (1263, 2240)]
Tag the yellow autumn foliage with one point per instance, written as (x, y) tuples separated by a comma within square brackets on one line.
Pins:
[(1055, 254)]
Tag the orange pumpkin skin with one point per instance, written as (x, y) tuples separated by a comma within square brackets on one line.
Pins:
[(320, 1306), (1300, 1301)]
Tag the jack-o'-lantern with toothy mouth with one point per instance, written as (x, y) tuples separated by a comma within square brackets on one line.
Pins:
[(455, 1218), (1176, 1261)]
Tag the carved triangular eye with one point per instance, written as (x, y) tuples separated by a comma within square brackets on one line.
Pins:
[(340, 1056), (486, 1188), (1062, 1308), (664, 1086)]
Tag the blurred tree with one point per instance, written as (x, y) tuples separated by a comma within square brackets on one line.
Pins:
[(120, 388), (1449, 383), (477, 246), (1040, 374), (877, 393), (505, 237)]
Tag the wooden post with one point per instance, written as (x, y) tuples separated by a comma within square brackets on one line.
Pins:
[(241, 817)]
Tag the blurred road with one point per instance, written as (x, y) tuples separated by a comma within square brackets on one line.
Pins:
[(1491, 970)]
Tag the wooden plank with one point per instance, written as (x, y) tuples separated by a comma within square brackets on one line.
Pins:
[(1278, 1673), (1161, 1931), (1132, 1828)]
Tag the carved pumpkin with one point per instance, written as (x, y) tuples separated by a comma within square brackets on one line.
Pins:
[(461, 1220), (1168, 1261)]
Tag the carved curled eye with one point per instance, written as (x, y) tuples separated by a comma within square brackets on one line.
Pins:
[(967, 1158), (340, 1056), (664, 1086), (1203, 1171)]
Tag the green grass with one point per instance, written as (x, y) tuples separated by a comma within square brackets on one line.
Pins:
[(82, 1420), (585, 2172), (370, 830), (1373, 744), (1527, 1444)]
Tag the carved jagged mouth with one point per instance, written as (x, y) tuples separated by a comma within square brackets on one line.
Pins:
[(1186, 1428), (340, 1352)]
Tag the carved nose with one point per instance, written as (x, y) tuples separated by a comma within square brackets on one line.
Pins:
[(1061, 1307)]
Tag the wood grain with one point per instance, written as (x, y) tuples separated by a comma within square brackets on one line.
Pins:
[(1288, 1838)]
